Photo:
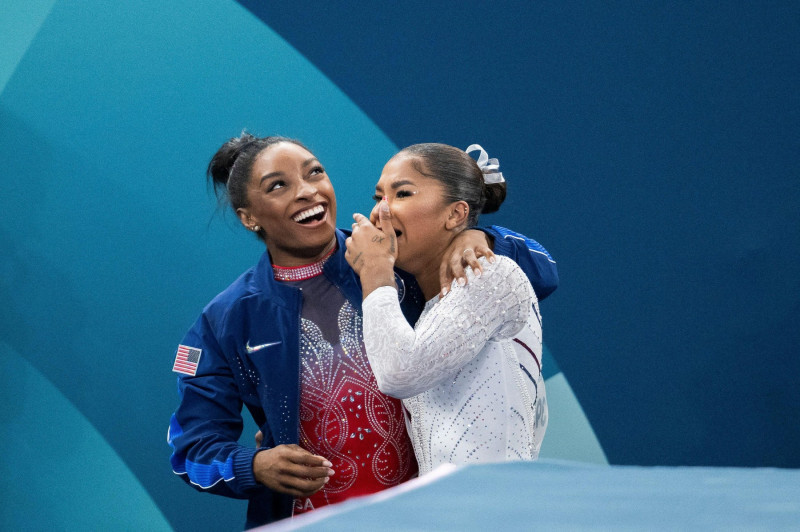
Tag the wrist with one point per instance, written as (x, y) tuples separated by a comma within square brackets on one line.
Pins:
[(487, 235), (375, 275), (381, 269)]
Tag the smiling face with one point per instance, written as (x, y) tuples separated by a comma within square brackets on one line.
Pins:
[(423, 220), (291, 198)]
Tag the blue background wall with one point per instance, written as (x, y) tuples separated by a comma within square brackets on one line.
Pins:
[(651, 147)]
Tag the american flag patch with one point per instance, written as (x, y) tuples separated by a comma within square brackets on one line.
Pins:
[(186, 360)]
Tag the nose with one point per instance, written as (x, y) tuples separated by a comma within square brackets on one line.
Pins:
[(306, 189)]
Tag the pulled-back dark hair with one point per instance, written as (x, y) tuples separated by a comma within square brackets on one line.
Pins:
[(230, 168), (460, 175)]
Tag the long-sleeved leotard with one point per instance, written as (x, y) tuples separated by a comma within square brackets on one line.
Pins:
[(466, 372)]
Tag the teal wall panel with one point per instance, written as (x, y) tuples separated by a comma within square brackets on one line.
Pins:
[(64, 475), (20, 21)]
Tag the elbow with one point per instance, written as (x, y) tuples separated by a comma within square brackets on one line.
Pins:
[(548, 285), (399, 393), (394, 389)]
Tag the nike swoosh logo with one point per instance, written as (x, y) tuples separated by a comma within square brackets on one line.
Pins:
[(253, 349)]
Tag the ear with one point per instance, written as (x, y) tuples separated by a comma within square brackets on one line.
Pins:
[(245, 218), (457, 216)]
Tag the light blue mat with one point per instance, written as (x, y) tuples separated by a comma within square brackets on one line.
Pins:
[(556, 495)]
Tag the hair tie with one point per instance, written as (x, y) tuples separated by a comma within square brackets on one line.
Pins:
[(489, 167)]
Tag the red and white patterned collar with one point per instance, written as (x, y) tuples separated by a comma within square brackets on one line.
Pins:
[(300, 273)]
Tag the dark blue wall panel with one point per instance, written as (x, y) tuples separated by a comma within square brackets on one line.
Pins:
[(652, 147)]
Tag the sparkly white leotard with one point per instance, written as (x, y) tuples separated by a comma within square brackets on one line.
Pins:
[(469, 373)]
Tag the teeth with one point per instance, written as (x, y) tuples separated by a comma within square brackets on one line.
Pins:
[(310, 212)]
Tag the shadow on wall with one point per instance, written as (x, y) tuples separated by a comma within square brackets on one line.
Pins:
[(54, 448)]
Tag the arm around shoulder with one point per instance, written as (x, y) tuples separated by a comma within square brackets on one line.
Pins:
[(532, 257)]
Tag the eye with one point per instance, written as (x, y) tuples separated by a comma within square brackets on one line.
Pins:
[(376, 198), (316, 170), (276, 185), (404, 193)]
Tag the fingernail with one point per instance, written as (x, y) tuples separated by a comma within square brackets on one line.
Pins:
[(477, 273), (331, 472), (325, 481), (492, 259), (444, 291), (326, 464), (461, 281)]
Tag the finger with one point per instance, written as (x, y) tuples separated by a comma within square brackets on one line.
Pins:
[(470, 258), (290, 469), (457, 268), (301, 457), (385, 217), (444, 278), (450, 269), (276, 469), (302, 487), (306, 459), (485, 251), (361, 219), (299, 465)]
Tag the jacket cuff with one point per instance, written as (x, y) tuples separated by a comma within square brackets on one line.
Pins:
[(501, 245), (243, 469)]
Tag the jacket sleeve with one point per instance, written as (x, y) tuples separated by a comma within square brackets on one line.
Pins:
[(531, 256), (205, 429)]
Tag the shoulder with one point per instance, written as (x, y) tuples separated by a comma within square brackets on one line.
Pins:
[(502, 276), (502, 268), (502, 264), (222, 304)]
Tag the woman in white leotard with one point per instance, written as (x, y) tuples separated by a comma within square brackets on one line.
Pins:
[(469, 372)]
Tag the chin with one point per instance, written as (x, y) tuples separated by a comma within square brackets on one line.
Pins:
[(401, 263), (321, 238)]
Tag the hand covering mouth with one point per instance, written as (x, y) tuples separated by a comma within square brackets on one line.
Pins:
[(313, 214), (397, 232)]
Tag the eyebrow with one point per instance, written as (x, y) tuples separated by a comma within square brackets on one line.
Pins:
[(270, 175), (397, 184), (306, 163)]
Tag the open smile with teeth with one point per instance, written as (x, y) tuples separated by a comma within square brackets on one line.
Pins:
[(314, 214)]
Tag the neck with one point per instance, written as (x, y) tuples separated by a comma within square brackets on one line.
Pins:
[(428, 282), (427, 272), (300, 257)]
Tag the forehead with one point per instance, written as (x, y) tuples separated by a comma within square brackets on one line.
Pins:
[(278, 156), (403, 167)]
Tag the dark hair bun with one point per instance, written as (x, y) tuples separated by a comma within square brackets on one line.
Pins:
[(219, 168), (495, 195)]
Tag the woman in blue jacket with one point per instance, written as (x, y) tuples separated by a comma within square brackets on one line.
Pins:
[(285, 340)]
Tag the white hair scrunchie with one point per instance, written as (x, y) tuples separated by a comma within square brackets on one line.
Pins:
[(489, 167)]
